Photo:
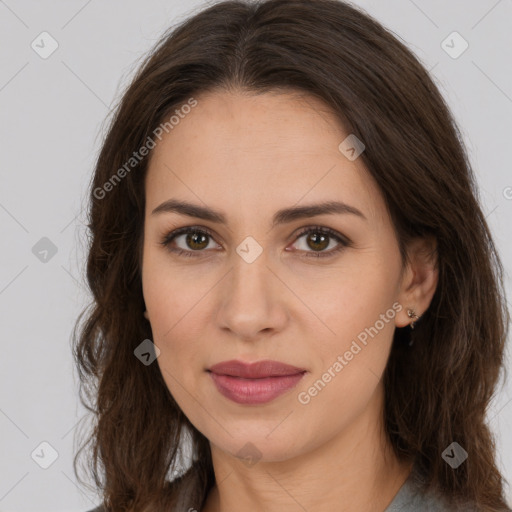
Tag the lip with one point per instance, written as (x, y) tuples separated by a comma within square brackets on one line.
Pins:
[(254, 383), (257, 370)]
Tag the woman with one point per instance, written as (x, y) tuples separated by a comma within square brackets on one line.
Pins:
[(292, 277)]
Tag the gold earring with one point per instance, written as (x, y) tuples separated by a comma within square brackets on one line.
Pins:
[(412, 314)]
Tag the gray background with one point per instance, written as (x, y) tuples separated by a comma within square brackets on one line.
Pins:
[(52, 114)]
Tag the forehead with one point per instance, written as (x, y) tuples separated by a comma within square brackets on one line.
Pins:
[(243, 152)]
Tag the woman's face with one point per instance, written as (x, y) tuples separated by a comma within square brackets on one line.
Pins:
[(254, 288)]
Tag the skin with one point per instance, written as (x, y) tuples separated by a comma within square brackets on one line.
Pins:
[(248, 156)]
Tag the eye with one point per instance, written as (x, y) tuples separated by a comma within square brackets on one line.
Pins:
[(197, 239), (318, 239)]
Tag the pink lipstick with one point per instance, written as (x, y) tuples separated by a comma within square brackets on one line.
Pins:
[(254, 383)]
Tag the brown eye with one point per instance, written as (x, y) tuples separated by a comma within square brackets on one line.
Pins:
[(196, 240), (318, 239), (188, 241)]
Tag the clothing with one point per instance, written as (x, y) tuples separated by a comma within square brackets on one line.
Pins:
[(409, 498)]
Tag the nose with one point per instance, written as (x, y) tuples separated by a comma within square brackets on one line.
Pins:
[(253, 300)]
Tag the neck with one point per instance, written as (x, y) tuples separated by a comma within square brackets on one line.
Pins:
[(355, 471)]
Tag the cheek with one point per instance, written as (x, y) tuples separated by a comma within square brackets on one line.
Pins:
[(174, 307), (355, 297), (356, 308), (173, 294), (348, 370)]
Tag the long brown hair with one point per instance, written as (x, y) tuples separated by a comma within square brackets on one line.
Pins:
[(437, 391)]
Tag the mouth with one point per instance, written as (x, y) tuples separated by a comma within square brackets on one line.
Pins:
[(257, 370), (254, 383)]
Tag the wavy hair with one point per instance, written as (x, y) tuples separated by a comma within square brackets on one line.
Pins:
[(436, 391)]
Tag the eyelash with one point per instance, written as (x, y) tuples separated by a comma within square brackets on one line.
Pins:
[(342, 241)]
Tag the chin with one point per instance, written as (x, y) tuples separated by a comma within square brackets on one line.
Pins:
[(252, 446)]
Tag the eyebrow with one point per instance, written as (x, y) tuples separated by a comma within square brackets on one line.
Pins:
[(282, 216)]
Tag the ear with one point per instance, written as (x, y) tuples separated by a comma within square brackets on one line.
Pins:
[(146, 315), (419, 280)]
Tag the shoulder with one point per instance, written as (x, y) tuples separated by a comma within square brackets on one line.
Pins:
[(412, 498)]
